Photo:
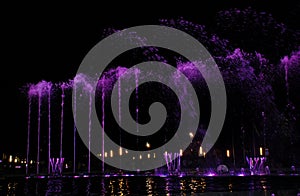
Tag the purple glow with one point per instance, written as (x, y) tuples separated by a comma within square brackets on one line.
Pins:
[(162, 175), (39, 90), (49, 126), (210, 173), (74, 128), (235, 64), (103, 124), (189, 70), (90, 124), (136, 74), (63, 86)]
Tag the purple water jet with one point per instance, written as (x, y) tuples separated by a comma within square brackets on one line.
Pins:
[(36, 90), (63, 87), (49, 125), (28, 133), (83, 81)]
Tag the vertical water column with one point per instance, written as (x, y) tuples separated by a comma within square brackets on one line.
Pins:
[(286, 69), (119, 73), (136, 72), (62, 121), (74, 131), (103, 122), (49, 126), (28, 132), (90, 121), (38, 132)]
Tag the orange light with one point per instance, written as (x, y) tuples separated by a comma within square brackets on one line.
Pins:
[(228, 153)]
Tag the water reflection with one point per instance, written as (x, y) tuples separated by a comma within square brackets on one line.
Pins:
[(118, 186), (151, 185), (54, 186), (11, 188)]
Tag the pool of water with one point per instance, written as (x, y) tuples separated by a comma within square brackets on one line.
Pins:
[(151, 185)]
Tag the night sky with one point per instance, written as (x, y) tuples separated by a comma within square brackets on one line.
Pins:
[(49, 44)]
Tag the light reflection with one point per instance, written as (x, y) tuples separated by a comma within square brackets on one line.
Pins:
[(149, 186), (203, 185), (182, 185), (230, 187)]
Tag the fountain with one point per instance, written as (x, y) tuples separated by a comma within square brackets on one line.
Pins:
[(63, 86), (57, 165), (172, 162), (81, 83), (246, 77), (257, 165), (38, 90)]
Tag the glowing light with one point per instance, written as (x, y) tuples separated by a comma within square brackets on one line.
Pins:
[(126, 151), (111, 153), (10, 158), (133, 158), (141, 156), (211, 174), (200, 150), (180, 152), (154, 155), (105, 154), (31, 161), (16, 160), (147, 145), (204, 154), (191, 135), (120, 151), (148, 156), (22, 162), (228, 153), (260, 151)]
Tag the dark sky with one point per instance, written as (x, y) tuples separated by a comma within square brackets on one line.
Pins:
[(49, 42)]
